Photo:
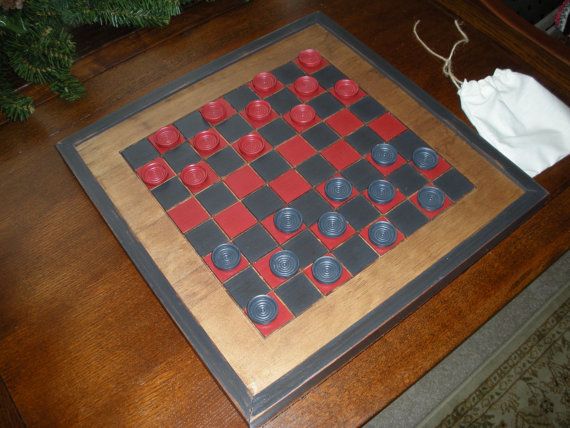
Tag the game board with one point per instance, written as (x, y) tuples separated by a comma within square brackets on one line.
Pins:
[(292, 201)]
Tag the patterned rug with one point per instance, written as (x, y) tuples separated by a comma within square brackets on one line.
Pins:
[(525, 384)]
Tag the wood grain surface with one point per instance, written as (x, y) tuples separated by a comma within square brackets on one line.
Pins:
[(83, 341)]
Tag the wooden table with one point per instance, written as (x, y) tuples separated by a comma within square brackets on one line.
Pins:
[(82, 338)]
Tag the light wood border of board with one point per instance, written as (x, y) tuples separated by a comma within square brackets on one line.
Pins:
[(261, 361)]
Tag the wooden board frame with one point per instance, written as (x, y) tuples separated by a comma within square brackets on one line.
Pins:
[(259, 406)]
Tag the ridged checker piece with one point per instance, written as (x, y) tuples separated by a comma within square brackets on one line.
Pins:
[(332, 224), (284, 264), (262, 309), (226, 256), (425, 158), (167, 136), (154, 173), (264, 81), (382, 234), (381, 191), (384, 154), (288, 219), (327, 270), (338, 189), (310, 58), (431, 198)]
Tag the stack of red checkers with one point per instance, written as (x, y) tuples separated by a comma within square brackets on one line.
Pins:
[(167, 137), (206, 141), (251, 145), (306, 85), (258, 110), (154, 173), (264, 81), (346, 88), (310, 58), (214, 111), (302, 114), (193, 175)]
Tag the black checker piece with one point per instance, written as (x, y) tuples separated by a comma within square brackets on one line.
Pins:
[(191, 124), (283, 101), (170, 193), (355, 254), (367, 109), (298, 294), (234, 128), (246, 285), (359, 212), (325, 105), (277, 132), (270, 166), (216, 198), (363, 140), (263, 202), (225, 161), (454, 184), (206, 237), (328, 76), (316, 170), (240, 97), (288, 73), (255, 243), (140, 153), (307, 247), (407, 179), (181, 156), (407, 218), (406, 143), (311, 205), (320, 136), (361, 174)]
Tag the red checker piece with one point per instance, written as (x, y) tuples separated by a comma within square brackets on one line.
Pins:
[(258, 113), (235, 219), (301, 117), (344, 122), (290, 185), (387, 169), (399, 197), (321, 189), (252, 146), (155, 173), (166, 138), (198, 176), (208, 142), (263, 268), (340, 154), (431, 174), (387, 126), (296, 150), (347, 91), (327, 288), (216, 111), (280, 237), (265, 84), (284, 315), (332, 243), (310, 60), (431, 214), (381, 250), (224, 275), (244, 181), (188, 215), (306, 88)]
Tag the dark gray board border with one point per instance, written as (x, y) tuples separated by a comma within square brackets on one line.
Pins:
[(261, 407)]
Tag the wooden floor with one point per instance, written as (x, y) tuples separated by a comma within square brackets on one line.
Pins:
[(82, 338)]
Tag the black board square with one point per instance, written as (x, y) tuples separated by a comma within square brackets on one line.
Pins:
[(361, 174), (255, 243), (359, 212), (407, 218), (288, 73), (325, 105), (406, 143), (454, 184), (355, 254), (283, 101), (311, 205), (307, 247), (270, 166), (225, 161), (206, 237), (170, 193), (246, 285), (191, 124), (240, 97), (298, 294), (320, 136), (263, 202), (234, 128), (316, 170), (181, 156), (367, 109), (216, 198), (328, 76), (277, 132), (407, 179), (363, 140), (140, 153)]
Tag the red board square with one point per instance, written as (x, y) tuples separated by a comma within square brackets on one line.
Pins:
[(235, 219), (161, 161), (310, 70), (431, 214), (349, 101), (387, 126), (230, 111), (389, 169), (321, 189), (263, 268), (258, 123), (296, 126), (290, 185), (381, 250), (207, 153), (327, 288), (296, 150), (279, 236), (399, 197), (188, 215), (264, 94), (154, 138), (344, 122), (306, 98), (340, 154), (211, 178), (244, 181), (431, 174), (332, 243), (224, 275), (284, 315), (249, 158)]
